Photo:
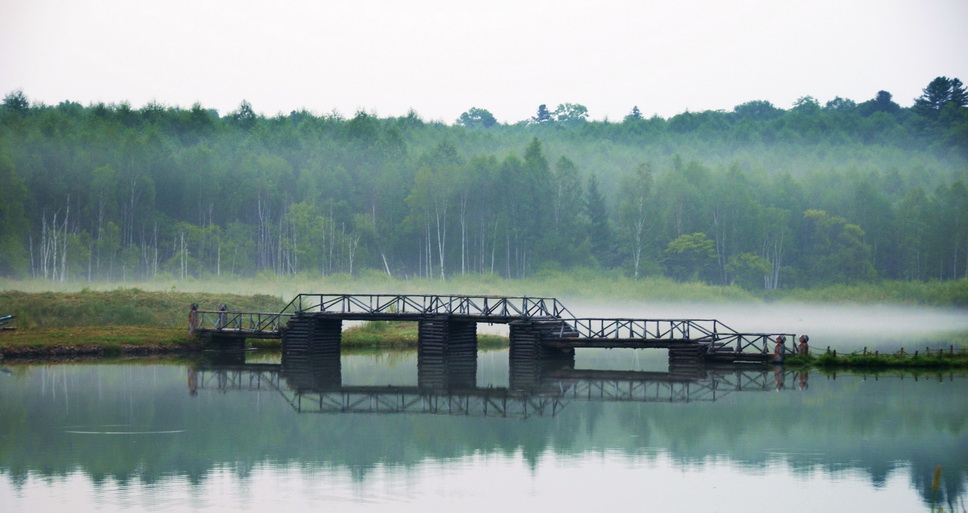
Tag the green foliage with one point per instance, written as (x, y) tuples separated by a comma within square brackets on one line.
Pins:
[(748, 270), (939, 93), (568, 114), (122, 307), (13, 223), (833, 250), (16, 102), (935, 360), (476, 118), (806, 197), (690, 256)]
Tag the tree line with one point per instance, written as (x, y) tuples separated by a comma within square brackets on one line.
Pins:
[(760, 196)]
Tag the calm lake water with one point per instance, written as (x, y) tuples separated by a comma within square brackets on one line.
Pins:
[(618, 431)]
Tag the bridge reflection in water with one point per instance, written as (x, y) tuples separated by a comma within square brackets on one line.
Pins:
[(449, 386)]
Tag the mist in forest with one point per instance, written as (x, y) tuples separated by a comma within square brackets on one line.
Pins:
[(761, 197)]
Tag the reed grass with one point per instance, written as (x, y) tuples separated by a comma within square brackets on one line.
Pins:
[(938, 359), (400, 335), (572, 284)]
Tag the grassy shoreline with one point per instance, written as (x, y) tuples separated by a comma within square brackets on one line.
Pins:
[(134, 321), (95, 340), (941, 360), (140, 340)]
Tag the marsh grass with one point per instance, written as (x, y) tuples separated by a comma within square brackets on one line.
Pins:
[(585, 284), (121, 307), (99, 340), (936, 360), (952, 293), (400, 335)]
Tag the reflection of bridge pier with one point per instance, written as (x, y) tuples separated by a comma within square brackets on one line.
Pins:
[(455, 372), (448, 386)]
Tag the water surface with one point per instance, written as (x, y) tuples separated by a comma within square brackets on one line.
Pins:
[(618, 429)]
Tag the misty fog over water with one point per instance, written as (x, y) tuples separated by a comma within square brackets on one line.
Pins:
[(842, 327)]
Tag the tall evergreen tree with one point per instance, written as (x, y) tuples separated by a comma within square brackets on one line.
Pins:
[(600, 230), (13, 223)]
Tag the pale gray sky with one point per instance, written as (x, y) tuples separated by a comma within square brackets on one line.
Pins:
[(441, 58)]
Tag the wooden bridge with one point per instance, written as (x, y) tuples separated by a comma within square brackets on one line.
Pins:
[(311, 324)]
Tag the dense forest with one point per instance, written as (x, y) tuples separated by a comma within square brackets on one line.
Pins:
[(760, 196)]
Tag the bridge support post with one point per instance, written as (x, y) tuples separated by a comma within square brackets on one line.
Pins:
[(526, 342), (528, 355), (686, 354), (310, 336), (439, 336), (223, 341), (446, 353)]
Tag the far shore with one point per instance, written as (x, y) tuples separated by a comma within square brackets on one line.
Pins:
[(579, 285), (133, 321)]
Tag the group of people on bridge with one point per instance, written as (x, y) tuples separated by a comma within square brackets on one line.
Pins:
[(780, 349), (194, 321)]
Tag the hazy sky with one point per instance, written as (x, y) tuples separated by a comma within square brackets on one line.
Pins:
[(442, 57)]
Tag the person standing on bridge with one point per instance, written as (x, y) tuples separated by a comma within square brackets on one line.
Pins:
[(193, 318), (804, 348), (779, 349), (222, 317)]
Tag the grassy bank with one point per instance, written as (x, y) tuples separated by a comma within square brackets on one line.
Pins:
[(115, 322), (400, 335), (939, 293), (128, 321), (952, 359), (121, 307), (95, 340)]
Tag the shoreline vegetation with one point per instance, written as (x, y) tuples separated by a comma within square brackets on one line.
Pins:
[(133, 321), (138, 322)]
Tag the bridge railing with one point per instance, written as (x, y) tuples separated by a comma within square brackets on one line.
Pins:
[(241, 321), (406, 304), (757, 342), (695, 330)]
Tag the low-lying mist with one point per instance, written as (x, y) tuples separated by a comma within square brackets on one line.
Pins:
[(842, 327)]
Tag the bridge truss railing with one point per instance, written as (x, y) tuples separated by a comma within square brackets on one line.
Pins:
[(757, 342), (642, 391), (480, 403), (482, 307), (253, 322), (548, 397), (695, 330), (234, 379)]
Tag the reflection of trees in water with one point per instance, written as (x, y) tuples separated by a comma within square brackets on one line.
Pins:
[(837, 424)]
